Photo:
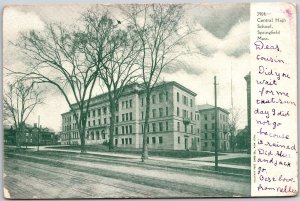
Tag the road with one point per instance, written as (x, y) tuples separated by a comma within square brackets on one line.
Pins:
[(50, 174)]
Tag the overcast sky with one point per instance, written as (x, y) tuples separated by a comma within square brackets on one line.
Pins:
[(221, 44)]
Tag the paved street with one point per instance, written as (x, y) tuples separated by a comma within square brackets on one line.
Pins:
[(49, 174)]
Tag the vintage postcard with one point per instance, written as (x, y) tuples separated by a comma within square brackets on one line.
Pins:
[(149, 100)]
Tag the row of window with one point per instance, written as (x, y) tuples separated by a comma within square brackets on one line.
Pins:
[(221, 126), (185, 113), (124, 141), (223, 117), (222, 136), (161, 127), (161, 97), (185, 100), (127, 104), (185, 128), (153, 140)]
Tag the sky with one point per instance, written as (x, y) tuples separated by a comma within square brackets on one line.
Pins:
[(219, 48)]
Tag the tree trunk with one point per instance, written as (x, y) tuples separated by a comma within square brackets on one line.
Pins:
[(112, 111), (81, 128), (145, 146)]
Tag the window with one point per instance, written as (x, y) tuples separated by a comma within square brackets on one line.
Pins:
[(178, 140), (123, 132), (167, 111), (94, 123), (205, 136), (205, 116), (178, 111), (192, 129), (191, 102), (117, 131), (154, 113), (191, 116), (213, 126), (153, 140), (142, 115), (160, 140), (97, 135), (104, 120), (126, 104), (117, 119), (99, 112), (160, 126), (153, 127), (123, 104), (130, 128), (126, 128), (198, 130), (167, 96), (130, 141), (104, 110), (142, 128), (212, 116), (184, 100), (160, 112), (130, 116), (160, 97), (184, 113), (126, 116), (92, 135), (178, 126), (153, 99), (116, 141), (89, 123), (205, 144), (122, 140), (130, 103), (88, 114), (177, 97), (205, 126), (126, 140), (147, 140), (94, 113), (212, 144), (142, 101), (123, 117), (167, 126)]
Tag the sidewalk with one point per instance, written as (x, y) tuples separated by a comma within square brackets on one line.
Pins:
[(194, 161)]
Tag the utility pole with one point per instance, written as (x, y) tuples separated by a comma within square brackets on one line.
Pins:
[(38, 136), (216, 126)]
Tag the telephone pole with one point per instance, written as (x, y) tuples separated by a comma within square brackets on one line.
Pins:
[(216, 126)]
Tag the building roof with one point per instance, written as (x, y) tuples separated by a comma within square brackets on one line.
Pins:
[(138, 88), (209, 107)]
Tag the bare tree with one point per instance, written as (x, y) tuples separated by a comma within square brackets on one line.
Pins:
[(19, 101), (58, 56), (233, 124), (157, 27), (119, 68)]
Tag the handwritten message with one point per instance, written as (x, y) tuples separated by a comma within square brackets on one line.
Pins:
[(274, 99)]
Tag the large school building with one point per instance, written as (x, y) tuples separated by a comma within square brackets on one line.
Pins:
[(173, 119)]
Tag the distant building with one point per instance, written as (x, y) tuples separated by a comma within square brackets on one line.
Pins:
[(207, 125), (172, 123), (31, 136), (242, 139), (9, 135)]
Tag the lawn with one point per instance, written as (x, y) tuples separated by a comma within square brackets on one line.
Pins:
[(237, 161), (163, 153)]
